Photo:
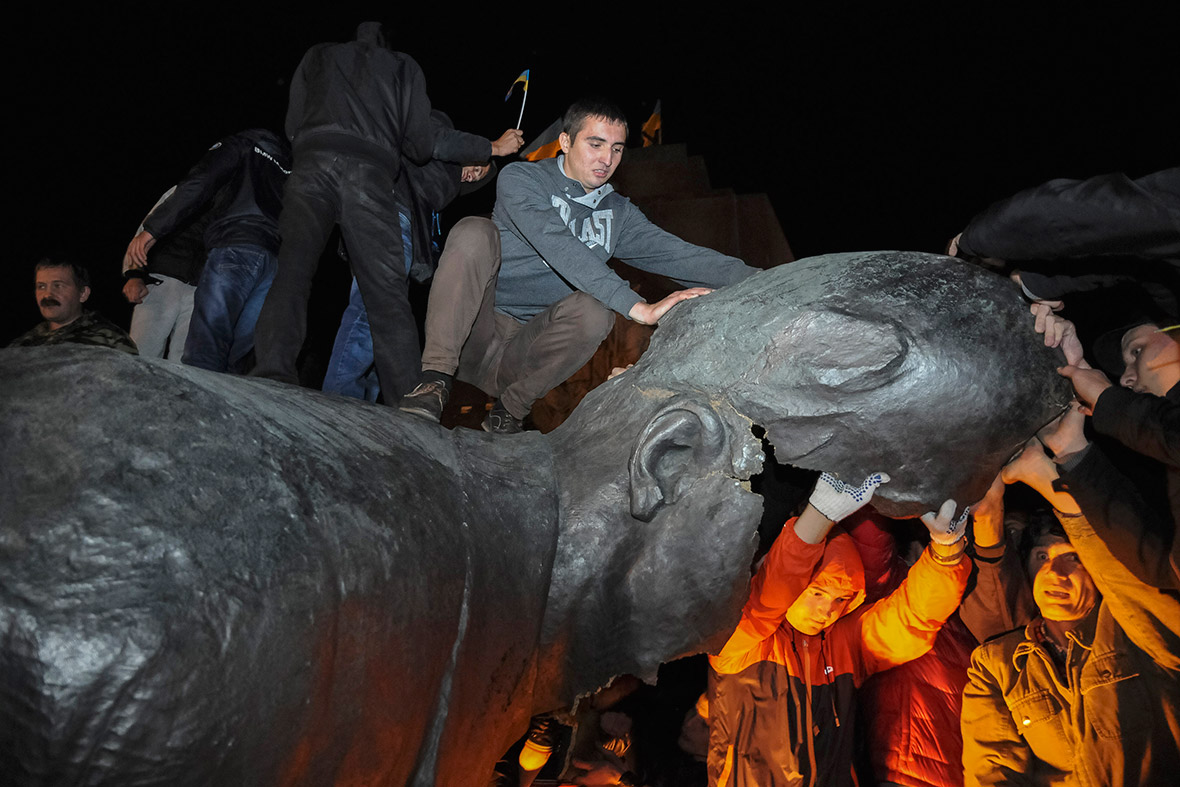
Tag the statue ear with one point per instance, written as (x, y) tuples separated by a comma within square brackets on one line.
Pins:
[(680, 443)]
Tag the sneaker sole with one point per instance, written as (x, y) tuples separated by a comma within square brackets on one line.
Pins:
[(422, 413), (490, 430)]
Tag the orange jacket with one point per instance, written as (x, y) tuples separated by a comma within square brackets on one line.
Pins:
[(782, 704), (911, 712)]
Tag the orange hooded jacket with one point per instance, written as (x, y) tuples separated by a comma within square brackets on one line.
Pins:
[(782, 704)]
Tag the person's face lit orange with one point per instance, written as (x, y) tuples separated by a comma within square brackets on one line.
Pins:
[(817, 608), (1062, 587)]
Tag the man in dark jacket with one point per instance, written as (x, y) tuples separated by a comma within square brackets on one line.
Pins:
[(1091, 233), (1143, 414), (240, 179), (356, 110), (424, 192), (163, 290)]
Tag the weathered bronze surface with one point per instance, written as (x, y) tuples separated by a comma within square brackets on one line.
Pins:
[(208, 579)]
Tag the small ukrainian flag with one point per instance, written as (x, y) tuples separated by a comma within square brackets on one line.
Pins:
[(524, 77)]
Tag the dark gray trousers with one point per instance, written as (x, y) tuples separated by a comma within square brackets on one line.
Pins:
[(326, 189)]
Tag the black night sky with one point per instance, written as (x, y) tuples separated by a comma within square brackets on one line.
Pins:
[(880, 128)]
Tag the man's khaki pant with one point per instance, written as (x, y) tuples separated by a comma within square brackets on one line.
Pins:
[(513, 361)]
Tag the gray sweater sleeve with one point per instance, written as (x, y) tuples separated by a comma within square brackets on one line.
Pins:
[(647, 247)]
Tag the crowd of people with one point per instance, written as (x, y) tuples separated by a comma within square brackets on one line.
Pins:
[(1035, 640), (1031, 637)]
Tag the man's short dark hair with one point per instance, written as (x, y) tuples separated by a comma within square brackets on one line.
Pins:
[(582, 109), (81, 274), (1042, 524)]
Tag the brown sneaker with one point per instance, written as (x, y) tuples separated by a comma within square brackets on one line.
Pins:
[(500, 421), (429, 397)]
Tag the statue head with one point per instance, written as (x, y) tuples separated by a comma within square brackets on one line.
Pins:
[(918, 365)]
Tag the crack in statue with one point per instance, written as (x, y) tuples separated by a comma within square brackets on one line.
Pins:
[(207, 579)]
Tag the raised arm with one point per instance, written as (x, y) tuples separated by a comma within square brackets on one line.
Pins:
[(1134, 531), (902, 626), (1109, 214), (1000, 599), (459, 147), (1143, 422), (645, 246), (786, 571), (1149, 616), (216, 168)]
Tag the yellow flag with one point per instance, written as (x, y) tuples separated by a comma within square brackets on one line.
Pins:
[(652, 131)]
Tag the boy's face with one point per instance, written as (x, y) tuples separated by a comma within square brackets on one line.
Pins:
[(817, 608)]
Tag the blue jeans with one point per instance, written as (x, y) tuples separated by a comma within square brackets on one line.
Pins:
[(351, 369), (229, 296)]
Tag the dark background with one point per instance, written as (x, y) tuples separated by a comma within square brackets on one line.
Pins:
[(867, 129)]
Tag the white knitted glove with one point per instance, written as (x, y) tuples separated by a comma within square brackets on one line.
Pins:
[(835, 499), (945, 528)]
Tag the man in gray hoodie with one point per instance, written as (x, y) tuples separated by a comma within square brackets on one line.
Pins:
[(521, 302)]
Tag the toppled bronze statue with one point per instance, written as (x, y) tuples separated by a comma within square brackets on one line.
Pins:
[(208, 579)]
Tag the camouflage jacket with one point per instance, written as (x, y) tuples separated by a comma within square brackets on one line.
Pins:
[(91, 328)]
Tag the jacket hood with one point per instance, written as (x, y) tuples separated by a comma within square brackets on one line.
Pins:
[(841, 569), (371, 33)]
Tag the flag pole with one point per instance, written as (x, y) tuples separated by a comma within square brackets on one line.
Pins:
[(522, 103), (524, 77)]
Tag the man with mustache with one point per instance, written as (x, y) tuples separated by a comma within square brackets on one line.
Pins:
[(61, 289)]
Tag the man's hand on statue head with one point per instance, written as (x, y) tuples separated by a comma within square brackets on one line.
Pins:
[(1033, 468), (1030, 464), (1058, 332), (1088, 384), (646, 313)]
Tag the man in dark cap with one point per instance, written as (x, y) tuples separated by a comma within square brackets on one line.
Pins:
[(1142, 413)]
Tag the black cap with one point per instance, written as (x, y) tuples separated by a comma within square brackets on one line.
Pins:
[(1108, 348)]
